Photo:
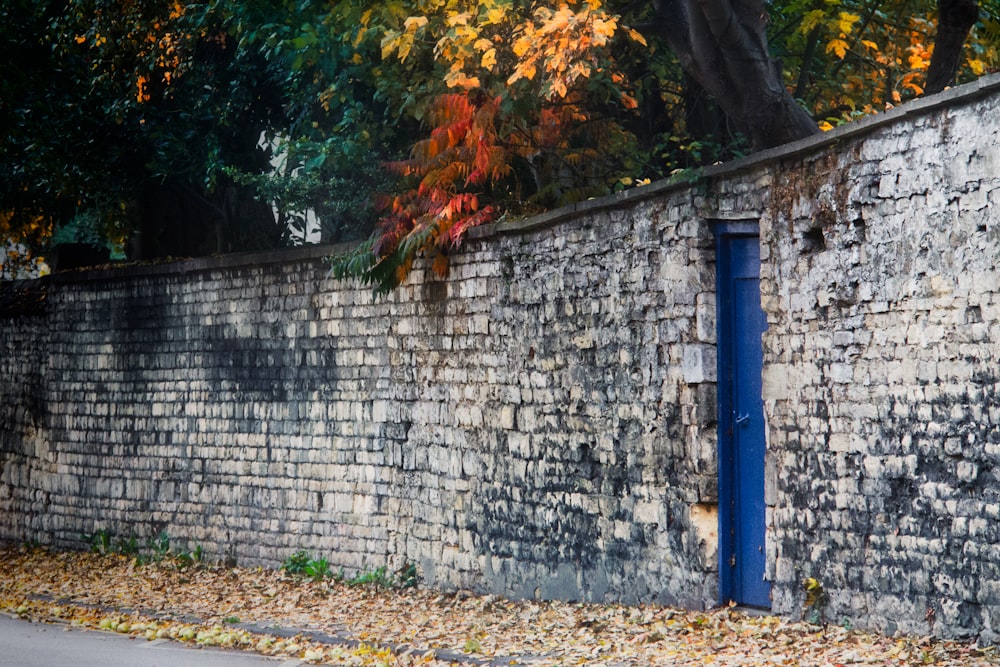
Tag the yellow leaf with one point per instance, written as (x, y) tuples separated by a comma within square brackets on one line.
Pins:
[(440, 265), (811, 20), (917, 63), (637, 37), (604, 28), (402, 271), (846, 22), (522, 71), (405, 46), (461, 80), (521, 46), (458, 19), (838, 46), (495, 15), (414, 23), (825, 126), (389, 43), (870, 44), (977, 66), (141, 95), (483, 44), (489, 59), (464, 34)]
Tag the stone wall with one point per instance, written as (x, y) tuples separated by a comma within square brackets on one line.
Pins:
[(881, 373), (543, 423)]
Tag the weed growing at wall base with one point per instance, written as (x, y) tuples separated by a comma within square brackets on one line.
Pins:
[(158, 549), (404, 577), (302, 564), (814, 609)]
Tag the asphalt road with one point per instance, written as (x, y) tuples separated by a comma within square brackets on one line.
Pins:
[(24, 644)]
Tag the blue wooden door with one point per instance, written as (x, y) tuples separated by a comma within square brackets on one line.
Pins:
[(742, 555)]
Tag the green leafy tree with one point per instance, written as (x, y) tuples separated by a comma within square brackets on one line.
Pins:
[(161, 123)]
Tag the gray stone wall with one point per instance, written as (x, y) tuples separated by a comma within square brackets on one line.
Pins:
[(543, 423), (882, 377), (23, 348), (540, 424)]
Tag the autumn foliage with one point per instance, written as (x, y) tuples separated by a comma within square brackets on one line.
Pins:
[(517, 105), (850, 59), (461, 156)]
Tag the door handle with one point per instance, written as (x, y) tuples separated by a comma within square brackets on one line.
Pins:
[(741, 420)]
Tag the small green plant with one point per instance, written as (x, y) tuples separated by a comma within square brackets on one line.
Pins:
[(160, 546), (157, 550), (698, 622), (301, 564), (296, 563), (100, 542), (231, 620), (318, 569), (377, 578), (407, 576), (814, 609), (127, 546), (187, 558), (472, 646)]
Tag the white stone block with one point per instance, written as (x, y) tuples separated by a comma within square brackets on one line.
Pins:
[(698, 364)]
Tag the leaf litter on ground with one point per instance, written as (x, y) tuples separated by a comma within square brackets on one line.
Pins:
[(330, 622)]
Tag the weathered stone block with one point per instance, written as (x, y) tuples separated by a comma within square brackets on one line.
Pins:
[(698, 363)]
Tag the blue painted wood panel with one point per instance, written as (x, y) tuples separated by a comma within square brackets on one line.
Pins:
[(742, 554)]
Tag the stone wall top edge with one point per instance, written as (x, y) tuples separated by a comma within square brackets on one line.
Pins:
[(201, 264), (951, 97), (856, 129)]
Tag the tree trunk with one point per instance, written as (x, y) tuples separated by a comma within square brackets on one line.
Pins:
[(722, 45), (955, 19)]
